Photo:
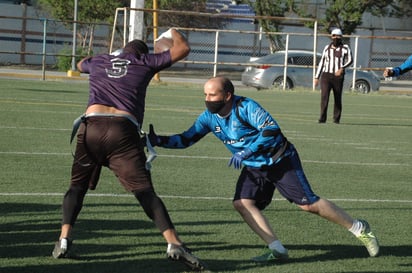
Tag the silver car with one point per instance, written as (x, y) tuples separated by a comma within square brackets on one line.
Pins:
[(268, 72)]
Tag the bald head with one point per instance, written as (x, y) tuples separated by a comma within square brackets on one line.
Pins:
[(219, 95), (220, 84)]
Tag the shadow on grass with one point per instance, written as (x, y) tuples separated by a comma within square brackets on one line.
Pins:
[(65, 266), (26, 246), (340, 252), (130, 262)]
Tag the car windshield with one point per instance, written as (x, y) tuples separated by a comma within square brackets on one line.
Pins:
[(301, 60), (272, 59), (293, 58)]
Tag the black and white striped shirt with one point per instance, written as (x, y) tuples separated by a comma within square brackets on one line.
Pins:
[(334, 58)]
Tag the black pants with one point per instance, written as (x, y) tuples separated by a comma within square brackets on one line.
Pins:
[(113, 142), (330, 82)]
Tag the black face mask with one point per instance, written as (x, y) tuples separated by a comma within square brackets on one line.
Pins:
[(215, 106), (336, 42)]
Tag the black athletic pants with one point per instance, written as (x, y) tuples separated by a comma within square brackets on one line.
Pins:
[(328, 82)]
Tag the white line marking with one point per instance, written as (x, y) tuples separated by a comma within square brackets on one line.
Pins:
[(40, 194), (226, 158), (35, 153), (33, 128)]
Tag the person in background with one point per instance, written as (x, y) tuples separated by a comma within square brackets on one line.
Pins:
[(399, 70), (108, 135), (268, 162), (336, 57)]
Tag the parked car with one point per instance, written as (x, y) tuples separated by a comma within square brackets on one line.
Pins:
[(262, 75)]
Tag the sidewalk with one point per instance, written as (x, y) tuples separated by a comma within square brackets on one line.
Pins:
[(37, 74), (396, 86), (56, 75)]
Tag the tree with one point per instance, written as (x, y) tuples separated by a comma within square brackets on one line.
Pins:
[(181, 20), (90, 12), (345, 14), (172, 19), (275, 8)]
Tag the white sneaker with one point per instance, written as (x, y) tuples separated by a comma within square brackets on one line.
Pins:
[(369, 239), (183, 254)]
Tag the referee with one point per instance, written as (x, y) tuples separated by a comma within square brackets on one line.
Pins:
[(336, 57)]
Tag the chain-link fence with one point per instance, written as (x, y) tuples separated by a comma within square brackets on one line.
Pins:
[(227, 49), (29, 40)]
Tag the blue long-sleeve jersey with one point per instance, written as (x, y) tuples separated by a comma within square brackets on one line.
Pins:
[(403, 68), (258, 131)]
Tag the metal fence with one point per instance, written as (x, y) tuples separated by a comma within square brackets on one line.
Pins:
[(213, 50)]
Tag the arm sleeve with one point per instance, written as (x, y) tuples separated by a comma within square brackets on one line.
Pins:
[(403, 68), (189, 137), (321, 64), (349, 58), (158, 61), (85, 64)]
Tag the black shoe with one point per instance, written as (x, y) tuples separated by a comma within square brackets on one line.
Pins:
[(336, 121), (321, 121), (184, 255), (62, 250)]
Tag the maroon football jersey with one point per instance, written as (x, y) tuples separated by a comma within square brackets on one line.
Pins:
[(121, 81)]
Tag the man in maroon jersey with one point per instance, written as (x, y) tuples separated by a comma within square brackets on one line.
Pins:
[(109, 135)]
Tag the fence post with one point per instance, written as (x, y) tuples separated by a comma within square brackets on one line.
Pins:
[(216, 53), (315, 46), (355, 61), (23, 34), (43, 66), (73, 71), (285, 68)]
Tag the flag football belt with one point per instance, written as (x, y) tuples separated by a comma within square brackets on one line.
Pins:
[(150, 149), (275, 153)]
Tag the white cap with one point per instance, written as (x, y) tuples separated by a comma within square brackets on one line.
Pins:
[(337, 31)]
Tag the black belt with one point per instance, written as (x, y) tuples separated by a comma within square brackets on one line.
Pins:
[(280, 151)]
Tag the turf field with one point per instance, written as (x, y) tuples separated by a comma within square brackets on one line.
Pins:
[(363, 165)]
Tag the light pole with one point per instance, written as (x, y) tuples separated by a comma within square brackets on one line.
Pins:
[(155, 32), (155, 20), (73, 71)]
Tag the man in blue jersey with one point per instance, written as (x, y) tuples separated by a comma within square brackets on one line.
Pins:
[(399, 70), (268, 162), (109, 135), (336, 57)]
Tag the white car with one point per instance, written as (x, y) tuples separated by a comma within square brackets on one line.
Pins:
[(262, 74)]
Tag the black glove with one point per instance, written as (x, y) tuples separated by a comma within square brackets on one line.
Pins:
[(153, 138)]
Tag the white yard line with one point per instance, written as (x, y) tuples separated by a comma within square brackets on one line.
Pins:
[(41, 194), (224, 158)]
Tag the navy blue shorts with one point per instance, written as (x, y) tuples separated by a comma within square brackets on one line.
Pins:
[(287, 176)]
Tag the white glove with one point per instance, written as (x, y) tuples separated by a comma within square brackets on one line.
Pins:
[(166, 34), (152, 153)]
